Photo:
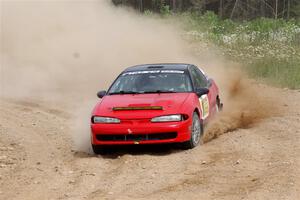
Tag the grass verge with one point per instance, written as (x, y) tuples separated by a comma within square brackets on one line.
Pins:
[(268, 48)]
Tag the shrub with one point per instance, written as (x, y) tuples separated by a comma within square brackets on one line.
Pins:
[(270, 49)]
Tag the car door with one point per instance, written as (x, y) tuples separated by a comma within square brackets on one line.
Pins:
[(201, 81)]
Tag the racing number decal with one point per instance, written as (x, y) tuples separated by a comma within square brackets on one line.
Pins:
[(204, 105)]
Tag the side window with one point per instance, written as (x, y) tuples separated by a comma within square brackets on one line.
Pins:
[(199, 79), (203, 78)]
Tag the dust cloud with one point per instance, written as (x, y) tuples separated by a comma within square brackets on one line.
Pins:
[(64, 47), (246, 103), (66, 51)]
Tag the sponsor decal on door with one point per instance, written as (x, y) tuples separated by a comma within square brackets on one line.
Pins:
[(204, 105)]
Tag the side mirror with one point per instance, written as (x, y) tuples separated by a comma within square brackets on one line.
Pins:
[(209, 82), (201, 91), (101, 94)]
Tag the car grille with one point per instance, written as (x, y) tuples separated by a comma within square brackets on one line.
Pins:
[(136, 137)]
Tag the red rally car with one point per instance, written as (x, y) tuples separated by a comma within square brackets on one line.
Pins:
[(155, 103)]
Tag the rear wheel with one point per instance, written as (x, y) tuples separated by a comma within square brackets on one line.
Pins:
[(196, 134), (219, 105)]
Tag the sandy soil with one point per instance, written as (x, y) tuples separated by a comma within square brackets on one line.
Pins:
[(61, 57), (37, 160)]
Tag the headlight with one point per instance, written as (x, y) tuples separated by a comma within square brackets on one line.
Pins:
[(105, 120), (167, 118)]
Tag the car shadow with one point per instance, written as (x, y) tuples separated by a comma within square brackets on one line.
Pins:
[(114, 152), (81, 154)]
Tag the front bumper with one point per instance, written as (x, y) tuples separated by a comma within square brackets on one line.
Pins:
[(140, 132)]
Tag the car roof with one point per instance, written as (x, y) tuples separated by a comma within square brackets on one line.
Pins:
[(165, 66)]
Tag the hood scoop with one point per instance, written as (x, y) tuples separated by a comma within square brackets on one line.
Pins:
[(137, 108)]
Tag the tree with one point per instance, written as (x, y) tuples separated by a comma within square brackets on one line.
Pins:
[(233, 9)]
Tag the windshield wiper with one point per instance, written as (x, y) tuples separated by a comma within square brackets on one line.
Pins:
[(124, 92), (159, 91)]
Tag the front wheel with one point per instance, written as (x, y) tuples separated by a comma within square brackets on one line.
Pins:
[(196, 134), (97, 149)]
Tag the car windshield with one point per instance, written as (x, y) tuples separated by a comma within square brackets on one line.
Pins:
[(157, 81)]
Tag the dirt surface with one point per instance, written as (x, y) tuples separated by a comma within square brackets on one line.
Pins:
[(37, 160), (50, 72)]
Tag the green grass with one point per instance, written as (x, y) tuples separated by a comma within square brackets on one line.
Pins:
[(283, 73), (269, 49)]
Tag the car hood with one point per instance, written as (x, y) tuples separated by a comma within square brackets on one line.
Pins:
[(142, 106)]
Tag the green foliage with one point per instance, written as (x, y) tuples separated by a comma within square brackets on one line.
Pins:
[(265, 24), (284, 73), (269, 48), (165, 10), (295, 9), (208, 20), (244, 10), (148, 13)]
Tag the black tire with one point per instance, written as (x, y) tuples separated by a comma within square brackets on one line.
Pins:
[(219, 105), (196, 135), (97, 149)]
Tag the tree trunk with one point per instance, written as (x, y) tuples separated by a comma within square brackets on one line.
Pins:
[(276, 9), (203, 6), (262, 9), (142, 6), (233, 9), (221, 9), (288, 9), (174, 5), (179, 5), (283, 9), (247, 13)]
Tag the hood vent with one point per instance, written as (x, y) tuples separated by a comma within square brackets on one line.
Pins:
[(138, 108)]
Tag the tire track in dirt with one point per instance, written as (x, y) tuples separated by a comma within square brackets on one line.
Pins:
[(259, 162), (42, 145)]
